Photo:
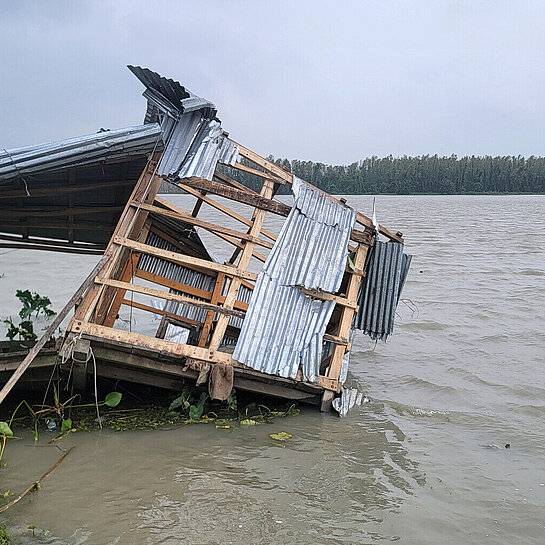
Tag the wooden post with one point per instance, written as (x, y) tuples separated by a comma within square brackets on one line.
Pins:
[(345, 323), (125, 225), (232, 293), (210, 316)]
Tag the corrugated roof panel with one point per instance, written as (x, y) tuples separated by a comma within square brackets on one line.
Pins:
[(180, 97), (101, 146), (284, 328), (387, 268)]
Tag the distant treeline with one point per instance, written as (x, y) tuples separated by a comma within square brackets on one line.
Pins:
[(417, 175)]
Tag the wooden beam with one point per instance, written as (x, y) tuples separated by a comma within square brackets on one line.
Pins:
[(186, 260), (267, 191), (53, 242), (224, 209), (260, 173), (74, 211), (238, 195), (160, 346), (144, 192), (210, 315), (347, 314), (227, 238), (288, 177), (72, 188), (86, 226), (43, 247), (119, 284), (184, 288), (113, 251), (228, 180), (184, 217), (152, 310), (264, 163)]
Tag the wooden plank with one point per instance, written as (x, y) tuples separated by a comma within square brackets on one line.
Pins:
[(224, 209), (33, 352), (61, 226), (228, 180), (127, 338), (168, 296), (74, 211), (288, 177), (336, 340), (347, 313), (210, 315), (238, 195), (144, 193), (53, 242), (184, 288), (227, 238), (113, 251), (260, 173), (152, 310), (126, 276), (185, 260), (64, 249), (72, 188), (264, 163), (325, 296), (232, 293), (184, 217)]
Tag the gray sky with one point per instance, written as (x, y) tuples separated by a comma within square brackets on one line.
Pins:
[(327, 81)]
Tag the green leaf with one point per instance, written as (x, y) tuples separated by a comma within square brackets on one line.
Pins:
[(113, 399), (248, 422), (281, 436), (232, 400), (5, 429), (195, 411), (66, 425), (292, 411), (177, 403)]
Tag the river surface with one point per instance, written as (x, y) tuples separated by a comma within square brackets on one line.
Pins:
[(424, 462)]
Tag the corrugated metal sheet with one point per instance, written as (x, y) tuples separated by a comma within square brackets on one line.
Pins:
[(107, 145), (349, 397), (284, 328), (177, 97), (380, 290), (190, 277), (209, 147), (194, 137), (179, 139)]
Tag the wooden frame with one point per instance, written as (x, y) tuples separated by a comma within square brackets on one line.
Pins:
[(96, 316)]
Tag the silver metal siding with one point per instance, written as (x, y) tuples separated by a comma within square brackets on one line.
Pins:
[(381, 288), (107, 145), (284, 328)]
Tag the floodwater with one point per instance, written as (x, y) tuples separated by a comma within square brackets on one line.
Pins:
[(424, 462)]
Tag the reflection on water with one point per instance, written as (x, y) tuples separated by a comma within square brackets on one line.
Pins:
[(423, 463)]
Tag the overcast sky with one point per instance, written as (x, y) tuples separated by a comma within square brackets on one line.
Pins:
[(327, 81)]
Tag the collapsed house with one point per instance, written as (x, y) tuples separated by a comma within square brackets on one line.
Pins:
[(276, 318)]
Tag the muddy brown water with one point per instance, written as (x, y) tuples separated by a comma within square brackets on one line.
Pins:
[(424, 462)]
